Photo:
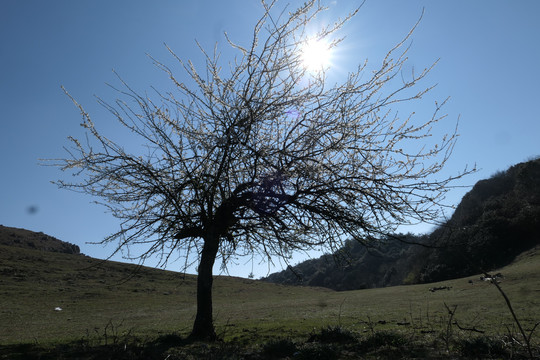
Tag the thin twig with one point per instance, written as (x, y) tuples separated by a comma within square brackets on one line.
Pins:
[(516, 320)]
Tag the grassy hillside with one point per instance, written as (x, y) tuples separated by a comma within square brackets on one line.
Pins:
[(33, 240), (93, 293), (100, 299)]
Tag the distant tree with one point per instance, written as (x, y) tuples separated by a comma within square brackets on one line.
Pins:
[(266, 157)]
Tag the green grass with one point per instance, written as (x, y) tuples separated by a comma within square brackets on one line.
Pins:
[(103, 302)]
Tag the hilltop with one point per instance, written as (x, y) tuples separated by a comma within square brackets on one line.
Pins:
[(35, 240), (495, 221)]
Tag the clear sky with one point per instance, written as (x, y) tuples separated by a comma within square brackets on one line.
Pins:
[(489, 54)]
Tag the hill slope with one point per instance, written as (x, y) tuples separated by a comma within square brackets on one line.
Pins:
[(495, 221), (38, 241), (101, 301), (354, 266), (37, 279)]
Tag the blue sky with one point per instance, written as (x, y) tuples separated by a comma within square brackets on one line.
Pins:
[(489, 53)]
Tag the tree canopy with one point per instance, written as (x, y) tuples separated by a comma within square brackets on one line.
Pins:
[(263, 155)]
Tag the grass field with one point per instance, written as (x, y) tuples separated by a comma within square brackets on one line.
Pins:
[(103, 302)]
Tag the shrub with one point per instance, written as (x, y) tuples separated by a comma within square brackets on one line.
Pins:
[(383, 339), (481, 347), (317, 351), (333, 334), (279, 348)]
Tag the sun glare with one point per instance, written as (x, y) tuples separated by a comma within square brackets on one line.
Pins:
[(316, 55)]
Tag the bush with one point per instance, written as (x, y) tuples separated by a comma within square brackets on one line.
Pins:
[(383, 339), (335, 334), (318, 351), (279, 348), (482, 347)]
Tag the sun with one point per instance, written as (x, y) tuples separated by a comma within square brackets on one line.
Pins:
[(316, 55)]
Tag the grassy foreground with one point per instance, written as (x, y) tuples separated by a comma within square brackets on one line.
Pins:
[(113, 310)]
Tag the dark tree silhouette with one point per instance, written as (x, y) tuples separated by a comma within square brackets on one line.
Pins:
[(265, 157)]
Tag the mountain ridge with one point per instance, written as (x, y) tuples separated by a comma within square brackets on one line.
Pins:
[(23, 238), (495, 221)]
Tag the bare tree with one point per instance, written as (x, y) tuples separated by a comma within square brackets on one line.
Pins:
[(265, 157)]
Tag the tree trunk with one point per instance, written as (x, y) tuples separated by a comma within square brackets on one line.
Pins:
[(203, 328)]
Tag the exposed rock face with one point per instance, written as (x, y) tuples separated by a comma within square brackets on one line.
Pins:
[(35, 240)]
